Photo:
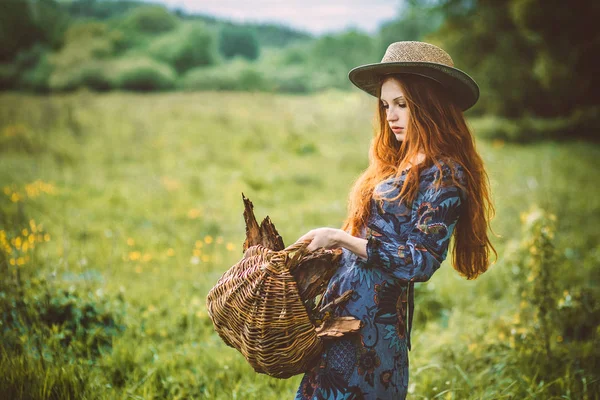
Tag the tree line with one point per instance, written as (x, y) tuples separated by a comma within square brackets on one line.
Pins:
[(534, 60)]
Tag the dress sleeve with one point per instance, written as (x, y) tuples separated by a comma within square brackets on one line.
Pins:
[(417, 255)]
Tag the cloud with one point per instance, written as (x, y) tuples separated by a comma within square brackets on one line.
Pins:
[(314, 16)]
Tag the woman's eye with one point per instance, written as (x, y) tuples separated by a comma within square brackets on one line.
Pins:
[(385, 106)]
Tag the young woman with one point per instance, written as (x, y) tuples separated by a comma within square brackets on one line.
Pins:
[(425, 182)]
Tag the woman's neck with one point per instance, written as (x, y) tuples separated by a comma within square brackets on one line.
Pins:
[(418, 159)]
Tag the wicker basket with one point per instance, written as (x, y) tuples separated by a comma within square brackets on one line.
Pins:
[(259, 308)]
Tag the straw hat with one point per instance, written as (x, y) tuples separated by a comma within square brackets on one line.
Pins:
[(423, 59)]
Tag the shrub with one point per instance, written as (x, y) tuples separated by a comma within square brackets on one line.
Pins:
[(237, 75), (92, 74), (190, 47), (582, 123), (8, 75), (238, 41), (293, 79), (37, 77), (142, 74), (151, 19)]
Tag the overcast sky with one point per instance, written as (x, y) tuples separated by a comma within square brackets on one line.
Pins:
[(314, 16)]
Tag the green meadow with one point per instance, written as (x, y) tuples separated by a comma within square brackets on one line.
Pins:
[(120, 211)]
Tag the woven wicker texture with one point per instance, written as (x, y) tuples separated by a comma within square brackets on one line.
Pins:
[(416, 52), (257, 309)]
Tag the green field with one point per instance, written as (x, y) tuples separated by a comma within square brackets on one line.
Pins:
[(120, 211)]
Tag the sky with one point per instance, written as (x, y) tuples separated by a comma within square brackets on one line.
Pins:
[(313, 16)]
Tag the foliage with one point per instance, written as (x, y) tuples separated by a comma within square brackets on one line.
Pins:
[(189, 47), (141, 74), (79, 325), (276, 35), (80, 62), (349, 49), (25, 23), (414, 22), (538, 291), (560, 56), (146, 262), (238, 41), (515, 54), (99, 9), (237, 75), (580, 124), (529, 91), (150, 19), (35, 69)]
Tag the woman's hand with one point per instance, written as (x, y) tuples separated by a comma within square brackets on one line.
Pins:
[(329, 238)]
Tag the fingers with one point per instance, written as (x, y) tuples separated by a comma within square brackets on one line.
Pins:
[(311, 239), (314, 245), (306, 237)]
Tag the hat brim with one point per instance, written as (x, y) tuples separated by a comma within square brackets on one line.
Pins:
[(461, 87)]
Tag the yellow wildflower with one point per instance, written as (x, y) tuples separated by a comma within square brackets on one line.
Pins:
[(194, 213)]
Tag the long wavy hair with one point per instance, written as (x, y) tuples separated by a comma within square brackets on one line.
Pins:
[(438, 128)]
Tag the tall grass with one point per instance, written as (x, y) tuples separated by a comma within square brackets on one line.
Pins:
[(140, 197)]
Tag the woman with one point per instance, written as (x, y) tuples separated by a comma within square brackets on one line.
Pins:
[(425, 182)]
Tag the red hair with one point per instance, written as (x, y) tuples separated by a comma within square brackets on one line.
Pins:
[(436, 127)]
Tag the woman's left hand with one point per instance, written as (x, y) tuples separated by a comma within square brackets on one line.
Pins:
[(329, 238)]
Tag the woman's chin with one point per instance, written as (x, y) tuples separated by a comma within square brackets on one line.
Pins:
[(400, 136)]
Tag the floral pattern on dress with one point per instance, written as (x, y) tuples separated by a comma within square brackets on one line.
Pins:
[(405, 244)]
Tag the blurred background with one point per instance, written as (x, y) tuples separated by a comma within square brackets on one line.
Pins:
[(129, 130)]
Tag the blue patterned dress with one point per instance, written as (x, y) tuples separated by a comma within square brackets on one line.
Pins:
[(404, 245)]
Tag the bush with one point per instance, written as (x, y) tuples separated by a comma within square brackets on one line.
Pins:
[(142, 74), (238, 41), (151, 20), (237, 75), (92, 74), (190, 47), (37, 76), (583, 123), (8, 75), (291, 80)]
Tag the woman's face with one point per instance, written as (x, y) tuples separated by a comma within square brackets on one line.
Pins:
[(394, 103)]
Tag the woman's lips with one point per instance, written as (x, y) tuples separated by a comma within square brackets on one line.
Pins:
[(395, 128)]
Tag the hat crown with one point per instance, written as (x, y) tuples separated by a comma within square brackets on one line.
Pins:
[(409, 51)]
